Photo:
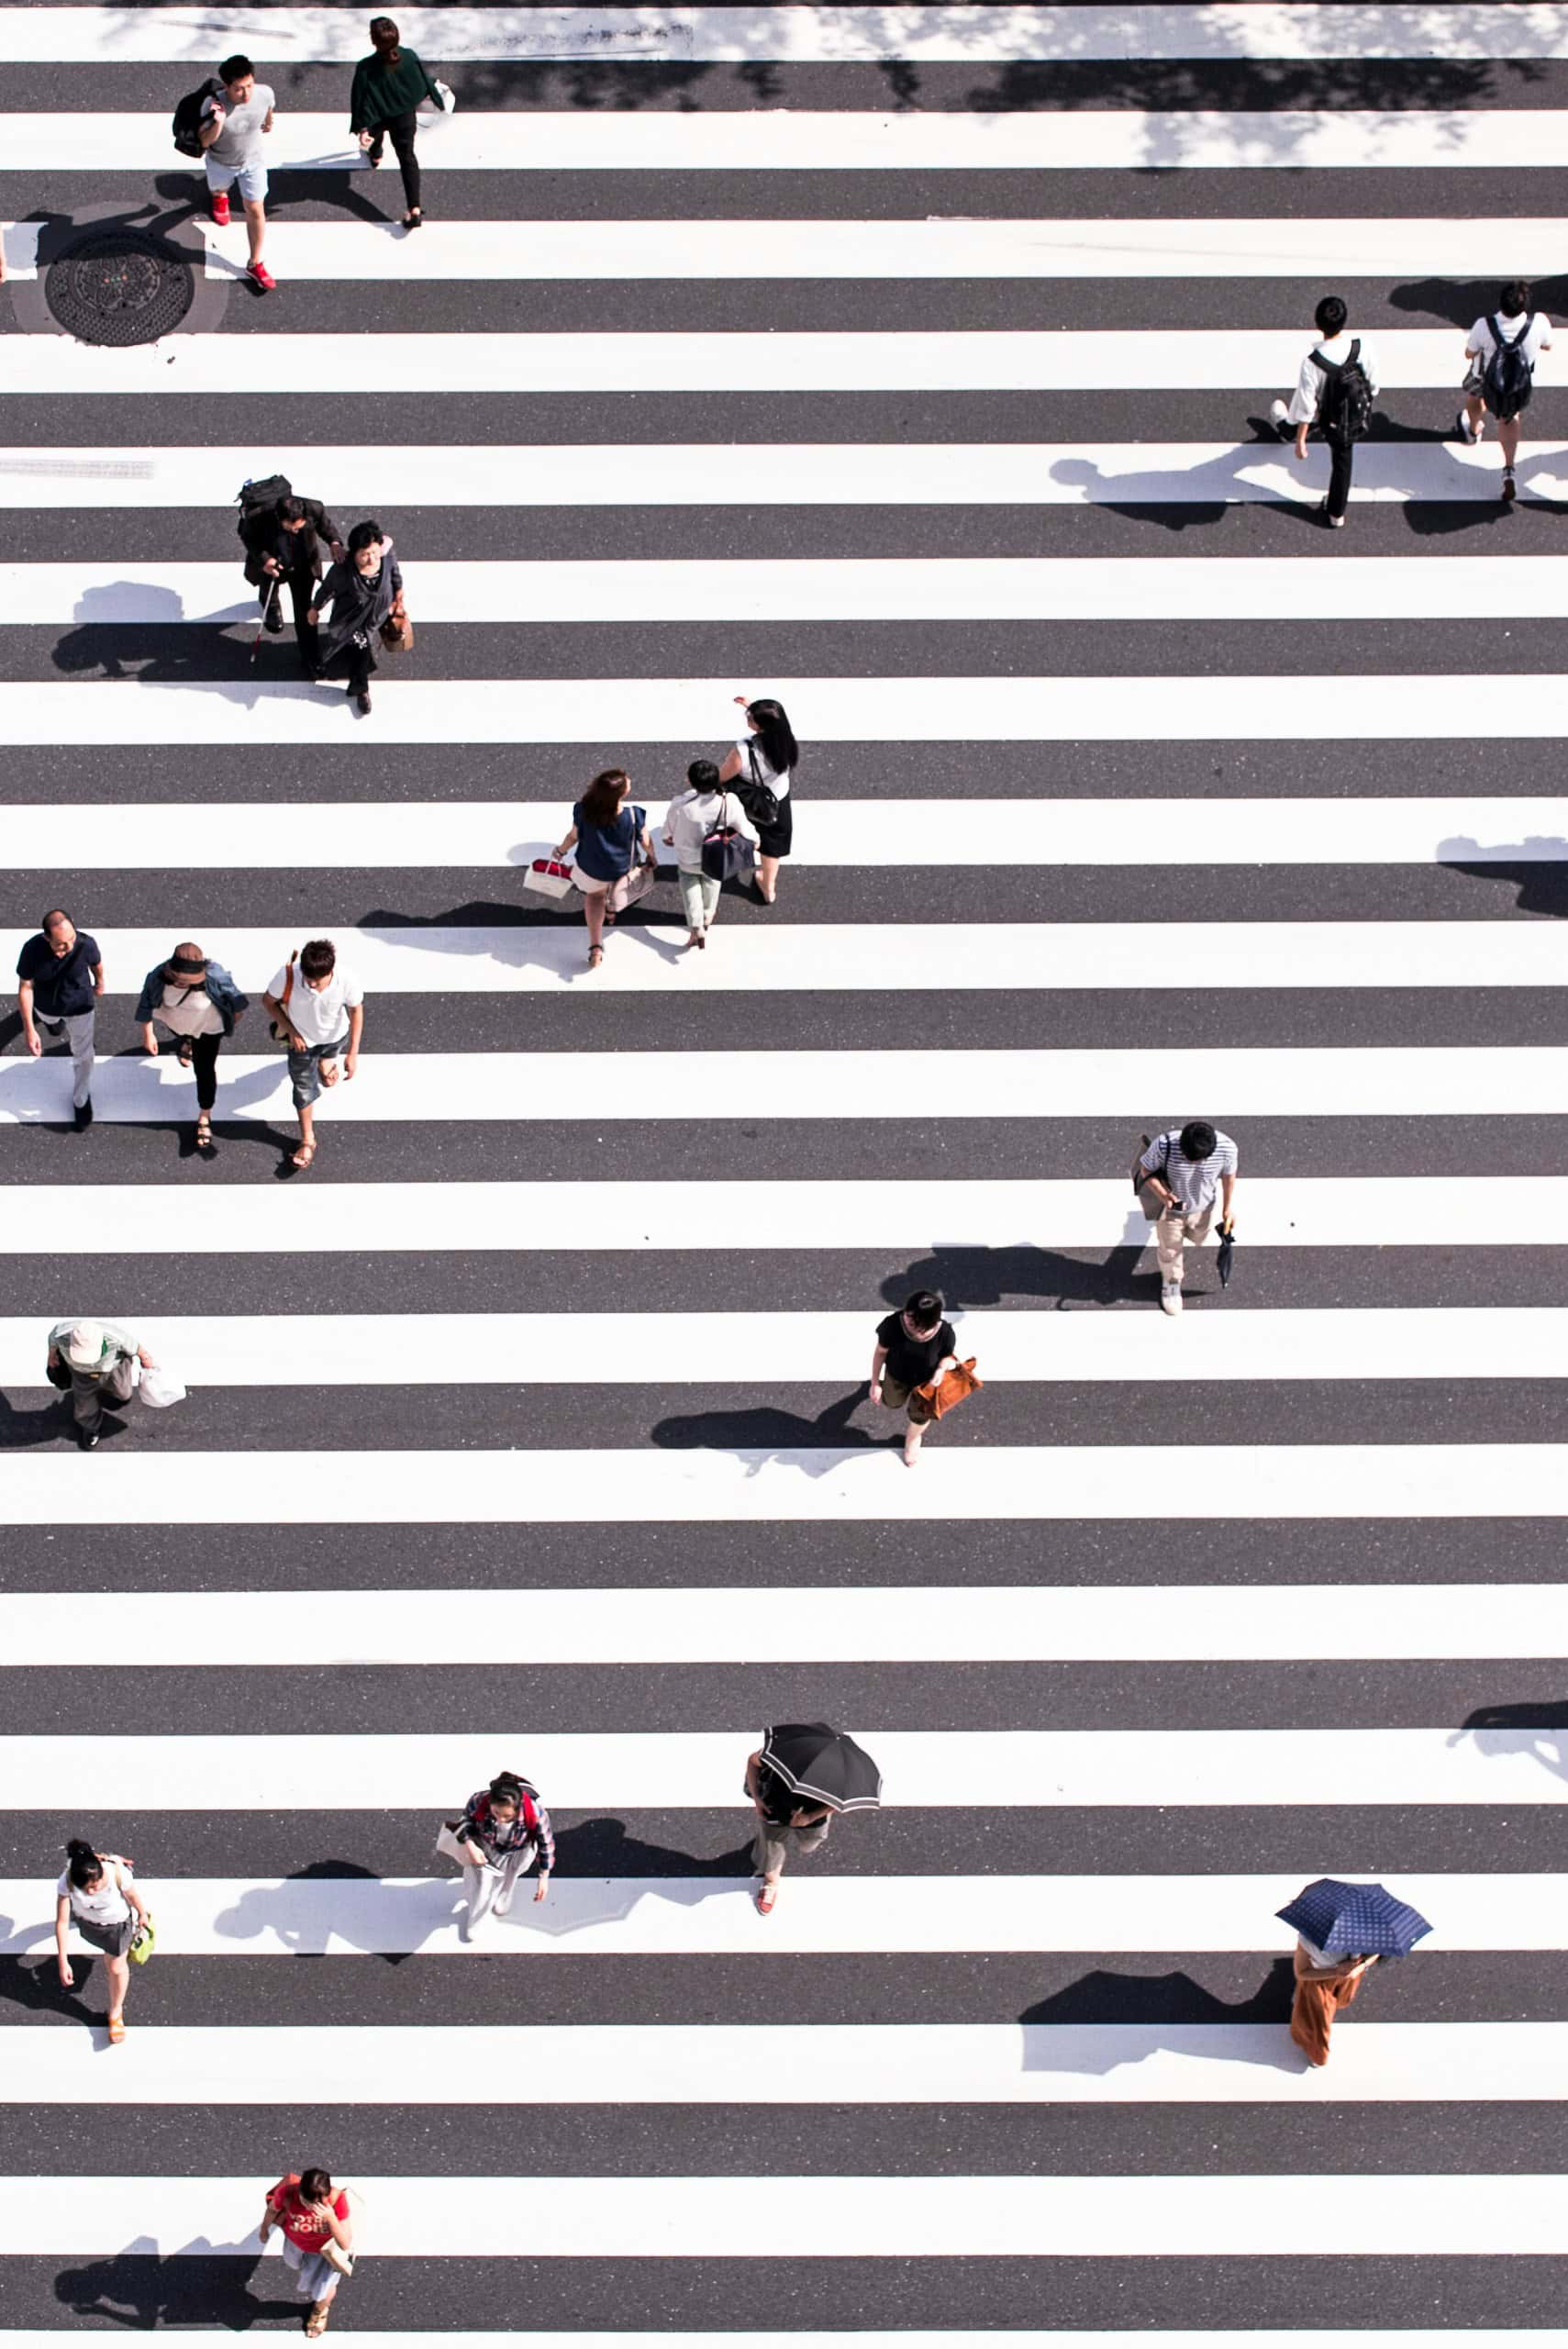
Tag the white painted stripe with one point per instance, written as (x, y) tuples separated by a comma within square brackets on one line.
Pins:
[(1499, 707), (753, 473), (703, 248), (771, 139), (1345, 2214), (1191, 1623), (176, 1218), (811, 958), (929, 35), (994, 587), (748, 2065), (953, 1769), (1025, 360), (380, 835), (541, 1087), (537, 1350), (824, 1915), (786, 1485)]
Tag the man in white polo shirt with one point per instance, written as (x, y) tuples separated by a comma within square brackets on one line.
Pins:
[(232, 130), (318, 1009), (1180, 1175)]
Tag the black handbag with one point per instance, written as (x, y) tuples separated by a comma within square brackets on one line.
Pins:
[(757, 798), (726, 853)]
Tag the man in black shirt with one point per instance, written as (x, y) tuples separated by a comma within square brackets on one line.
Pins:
[(912, 1348), (287, 541), (61, 973)]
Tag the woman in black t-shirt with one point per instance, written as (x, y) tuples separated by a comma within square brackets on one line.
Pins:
[(912, 1348)]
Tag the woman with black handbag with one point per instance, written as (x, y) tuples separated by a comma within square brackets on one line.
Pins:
[(760, 767), (710, 845)]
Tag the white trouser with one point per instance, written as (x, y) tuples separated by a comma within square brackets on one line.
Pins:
[(492, 1888)]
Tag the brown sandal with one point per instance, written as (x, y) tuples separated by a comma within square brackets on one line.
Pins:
[(315, 2322), (303, 1155), (117, 2029)]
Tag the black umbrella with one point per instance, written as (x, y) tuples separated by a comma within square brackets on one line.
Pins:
[(1226, 1251), (821, 1764)]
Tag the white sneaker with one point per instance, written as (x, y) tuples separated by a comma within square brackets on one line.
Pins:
[(1279, 416), (502, 1903), (1170, 1297), (1466, 429)]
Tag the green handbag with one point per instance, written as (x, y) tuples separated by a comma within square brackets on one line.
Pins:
[(144, 1945)]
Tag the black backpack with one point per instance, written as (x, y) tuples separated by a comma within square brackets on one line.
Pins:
[(185, 128), (1507, 378), (259, 497), (1344, 406)]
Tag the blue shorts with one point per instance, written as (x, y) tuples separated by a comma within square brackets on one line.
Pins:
[(251, 177), (304, 1069)]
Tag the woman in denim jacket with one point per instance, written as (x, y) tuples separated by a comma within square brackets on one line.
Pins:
[(198, 1002)]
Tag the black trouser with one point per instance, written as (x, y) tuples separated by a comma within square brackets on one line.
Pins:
[(301, 584), (1342, 460), (355, 662), (401, 128), (203, 1061)]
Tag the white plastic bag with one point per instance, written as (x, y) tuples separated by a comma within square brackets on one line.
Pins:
[(160, 1387), (446, 95)]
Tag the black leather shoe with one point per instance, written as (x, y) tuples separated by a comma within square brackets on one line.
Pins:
[(83, 1117), (363, 704), (87, 1438), (274, 623)]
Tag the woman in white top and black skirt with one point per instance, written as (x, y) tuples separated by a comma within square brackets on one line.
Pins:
[(760, 767), (96, 1894)]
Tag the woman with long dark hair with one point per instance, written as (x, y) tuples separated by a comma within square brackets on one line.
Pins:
[(606, 832), (388, 85), (504, 1828), (360, 594), (761, 766), (96, 1895)]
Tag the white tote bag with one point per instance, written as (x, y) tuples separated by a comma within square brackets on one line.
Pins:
[(159, 1387), (446, 97), (547, 878), (448, 1848)]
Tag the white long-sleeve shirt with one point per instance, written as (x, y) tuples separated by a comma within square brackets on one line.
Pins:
[(1310, 382), (689, 820)]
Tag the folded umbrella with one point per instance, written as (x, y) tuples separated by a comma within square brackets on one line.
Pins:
[(1343, 1919), (1226, 1251), (821, 1764)]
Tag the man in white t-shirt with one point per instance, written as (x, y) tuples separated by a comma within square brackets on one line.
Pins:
[(232, 130), (319, 1007), (1513, 336), (1318, 402)]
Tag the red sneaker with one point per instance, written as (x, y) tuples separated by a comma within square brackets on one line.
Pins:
[(221, 211), (260, 275)]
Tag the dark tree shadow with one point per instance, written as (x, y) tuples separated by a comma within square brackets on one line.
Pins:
[(144, 2289)]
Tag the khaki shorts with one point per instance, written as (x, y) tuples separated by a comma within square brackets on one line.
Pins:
[(896, 1397)]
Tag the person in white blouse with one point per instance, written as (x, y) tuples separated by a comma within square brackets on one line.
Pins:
[(688, 821), (97, 1894)]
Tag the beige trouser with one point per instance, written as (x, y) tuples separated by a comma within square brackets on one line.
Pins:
[(1173, 1228)]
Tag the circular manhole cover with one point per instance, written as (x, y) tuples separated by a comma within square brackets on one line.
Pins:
[(117, 288)]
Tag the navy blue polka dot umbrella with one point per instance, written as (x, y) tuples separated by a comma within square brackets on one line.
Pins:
[(1343, 1919)]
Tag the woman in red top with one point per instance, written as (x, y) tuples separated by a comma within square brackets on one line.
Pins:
[(312, 2215)]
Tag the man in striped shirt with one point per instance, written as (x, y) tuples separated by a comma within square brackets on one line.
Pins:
[(1180, 1175)]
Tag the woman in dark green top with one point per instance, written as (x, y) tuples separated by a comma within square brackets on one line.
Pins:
[(388, 85)]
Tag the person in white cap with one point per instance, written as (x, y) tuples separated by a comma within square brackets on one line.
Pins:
[(94, 1359)]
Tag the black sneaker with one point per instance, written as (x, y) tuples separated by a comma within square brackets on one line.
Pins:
[(87, 1438), (83, 1117)]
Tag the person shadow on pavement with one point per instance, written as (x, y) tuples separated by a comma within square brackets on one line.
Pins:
[(203, 2283)]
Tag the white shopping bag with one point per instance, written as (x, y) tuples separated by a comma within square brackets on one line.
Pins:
[(446, 97), (159, 1387)]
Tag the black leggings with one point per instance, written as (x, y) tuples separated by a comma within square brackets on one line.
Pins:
[(401, 128), (203, 1061)]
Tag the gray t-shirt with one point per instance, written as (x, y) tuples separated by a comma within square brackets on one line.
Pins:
[(238, 143)]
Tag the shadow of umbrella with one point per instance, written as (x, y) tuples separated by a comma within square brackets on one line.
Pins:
[(1108, 2018)]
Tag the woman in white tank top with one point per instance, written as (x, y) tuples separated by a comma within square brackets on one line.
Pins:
[(96, 1893)]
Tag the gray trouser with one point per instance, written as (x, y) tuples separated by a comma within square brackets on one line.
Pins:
[(484, 1888), (77, 1026), (90, 1391), (771, 1845)]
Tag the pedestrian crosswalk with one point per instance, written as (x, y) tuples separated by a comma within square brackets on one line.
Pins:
[(911, 364)]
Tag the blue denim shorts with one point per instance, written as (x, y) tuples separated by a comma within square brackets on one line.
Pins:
[(304, 1069)]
